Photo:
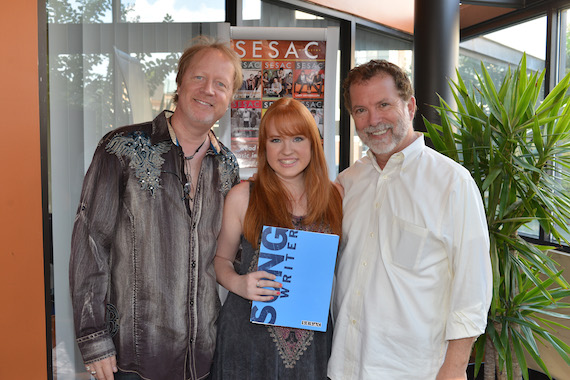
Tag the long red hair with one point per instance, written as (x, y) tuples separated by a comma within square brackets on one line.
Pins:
[(269, 201)]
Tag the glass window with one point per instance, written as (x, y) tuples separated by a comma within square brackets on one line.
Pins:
[(261, 13), (564, 45), (173, 11), (498, 51), (371, 44), (504, 48), (251, 10), (78, 11), (564, 68)]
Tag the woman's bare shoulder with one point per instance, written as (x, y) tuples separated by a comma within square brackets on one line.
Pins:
[(239, 193)]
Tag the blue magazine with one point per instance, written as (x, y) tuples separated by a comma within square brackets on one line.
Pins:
[(304, 263)]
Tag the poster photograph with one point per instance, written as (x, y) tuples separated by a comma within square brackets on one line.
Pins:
[(309, 80), (316, 108), (245, 119), (251, 81), (279, 77)]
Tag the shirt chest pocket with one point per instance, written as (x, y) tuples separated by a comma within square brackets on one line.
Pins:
[(405, 243)]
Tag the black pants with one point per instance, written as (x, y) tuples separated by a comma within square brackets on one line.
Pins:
[(132, 376), (127, 376)]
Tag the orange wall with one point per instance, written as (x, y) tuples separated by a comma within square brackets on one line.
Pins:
[(22, 315)]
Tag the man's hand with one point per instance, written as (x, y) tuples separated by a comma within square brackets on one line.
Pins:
[(103, 369)]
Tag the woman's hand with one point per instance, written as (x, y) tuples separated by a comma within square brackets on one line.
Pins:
[(252, 286)]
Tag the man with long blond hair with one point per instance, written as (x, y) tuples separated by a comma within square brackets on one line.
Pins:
[(143, 286), (291, 190)]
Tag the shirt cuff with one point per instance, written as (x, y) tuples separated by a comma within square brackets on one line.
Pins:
[(96, 346), (466, 323)]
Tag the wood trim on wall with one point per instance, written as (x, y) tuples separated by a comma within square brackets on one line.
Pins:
[(22, 297)]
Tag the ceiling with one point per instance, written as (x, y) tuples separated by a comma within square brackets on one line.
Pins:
[(400, 14)]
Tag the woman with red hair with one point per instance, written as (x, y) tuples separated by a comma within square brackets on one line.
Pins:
[(291, 190)]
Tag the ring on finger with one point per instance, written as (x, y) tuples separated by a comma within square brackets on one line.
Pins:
[(93, 372), (88, 368), (257, 285)]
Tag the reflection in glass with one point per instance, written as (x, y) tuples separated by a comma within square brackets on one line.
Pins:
[(79, 11), (504, 48), (498, 51)]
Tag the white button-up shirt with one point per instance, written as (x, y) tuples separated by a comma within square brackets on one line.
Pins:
[(414, 270)]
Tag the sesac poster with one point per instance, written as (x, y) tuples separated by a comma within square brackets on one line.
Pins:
[(273, 69)]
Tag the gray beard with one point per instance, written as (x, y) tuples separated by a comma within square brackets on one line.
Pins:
[(380, 147)]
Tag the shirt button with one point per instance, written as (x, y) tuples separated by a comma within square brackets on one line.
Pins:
[(354, 321), (385, 176), (191, 302), (372, 234), (193, 263), (364, 264), (377, 205)]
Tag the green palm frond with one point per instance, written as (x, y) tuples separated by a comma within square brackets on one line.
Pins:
[(517, 149)]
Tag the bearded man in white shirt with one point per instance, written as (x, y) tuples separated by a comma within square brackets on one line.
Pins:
[(414, 279)]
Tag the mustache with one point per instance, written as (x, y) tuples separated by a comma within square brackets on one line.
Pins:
[(378, 128)]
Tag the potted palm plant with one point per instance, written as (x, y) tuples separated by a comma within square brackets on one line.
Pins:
[(517, 149)]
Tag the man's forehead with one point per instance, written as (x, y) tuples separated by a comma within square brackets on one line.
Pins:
[(201, 62), (203, 54), (380, 77)]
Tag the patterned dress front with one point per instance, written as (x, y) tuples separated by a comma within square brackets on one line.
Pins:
[(249, 351)]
